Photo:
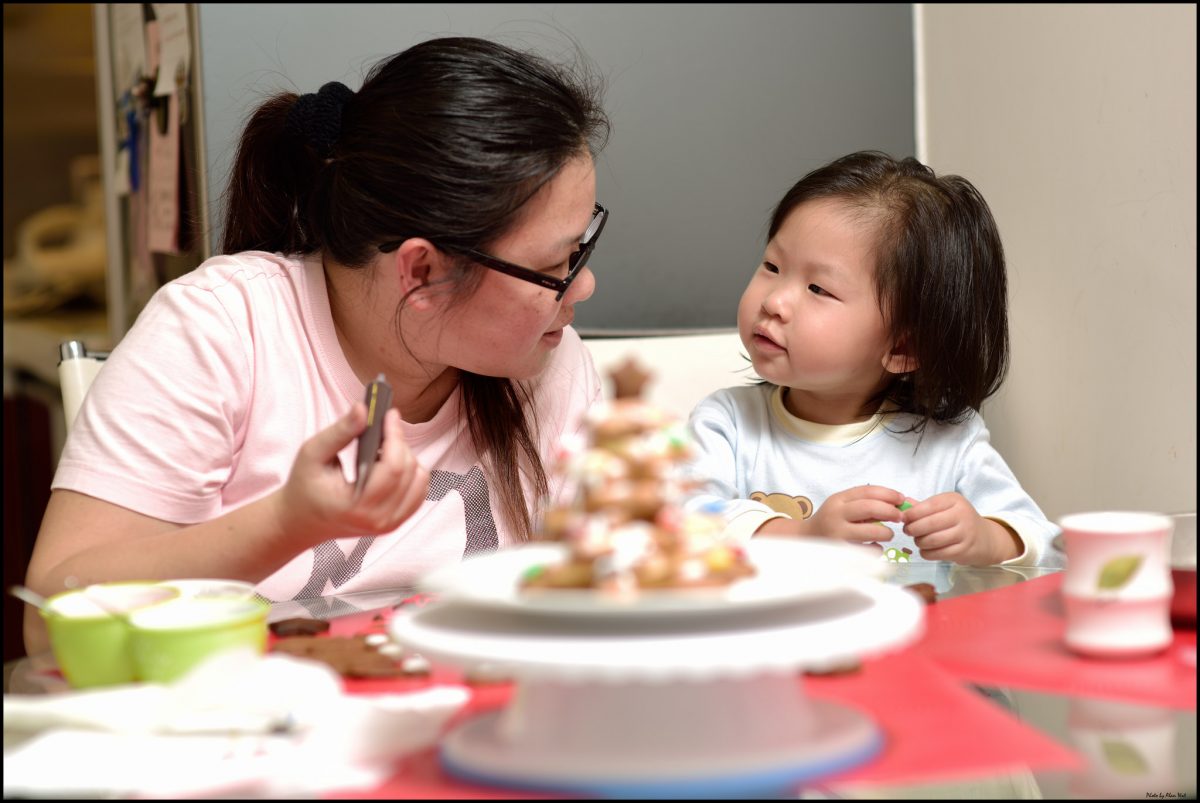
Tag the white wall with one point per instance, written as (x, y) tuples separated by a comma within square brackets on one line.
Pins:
[(1078, 125)]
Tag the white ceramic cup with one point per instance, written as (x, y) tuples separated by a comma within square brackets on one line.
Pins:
[(1117, 586), (1130, 748)]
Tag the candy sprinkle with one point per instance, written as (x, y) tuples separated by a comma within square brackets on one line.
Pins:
[(905, 505)]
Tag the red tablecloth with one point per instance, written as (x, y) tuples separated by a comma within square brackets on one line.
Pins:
[(935, 728), (1013, 636)]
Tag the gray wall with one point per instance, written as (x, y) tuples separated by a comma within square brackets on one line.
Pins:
[(716, 111)]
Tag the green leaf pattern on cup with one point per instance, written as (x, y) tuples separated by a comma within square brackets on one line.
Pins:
[(1116, 572), (1124, 758)]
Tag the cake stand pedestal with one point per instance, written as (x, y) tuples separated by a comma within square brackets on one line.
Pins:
[(664, 705)]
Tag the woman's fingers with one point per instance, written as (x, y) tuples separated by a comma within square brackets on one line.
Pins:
[(322, 448), (398, 483)]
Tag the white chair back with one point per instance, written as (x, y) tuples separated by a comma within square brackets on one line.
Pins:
[(683, 368), (77, 368)]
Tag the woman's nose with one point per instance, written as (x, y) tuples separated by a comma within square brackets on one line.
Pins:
[(582, 288)]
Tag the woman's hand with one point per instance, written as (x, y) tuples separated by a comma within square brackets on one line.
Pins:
[(318, 504), (947, 527)]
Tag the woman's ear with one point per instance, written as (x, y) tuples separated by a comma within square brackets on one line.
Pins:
[(900, 360), (416, 263)]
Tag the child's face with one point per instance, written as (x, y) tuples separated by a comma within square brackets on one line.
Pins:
[(809, 317)]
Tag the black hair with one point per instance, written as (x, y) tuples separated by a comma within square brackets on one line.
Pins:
[(445, 140), (940, 277)]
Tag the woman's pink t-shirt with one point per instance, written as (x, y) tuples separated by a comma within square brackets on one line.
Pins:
[(229, 369)]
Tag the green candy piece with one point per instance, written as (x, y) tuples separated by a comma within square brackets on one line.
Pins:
[(905, 505), (533, 572)]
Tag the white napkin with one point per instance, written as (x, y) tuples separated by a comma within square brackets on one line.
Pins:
[(239, 723)]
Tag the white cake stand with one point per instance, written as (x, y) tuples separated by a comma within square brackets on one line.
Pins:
[(664, 705)]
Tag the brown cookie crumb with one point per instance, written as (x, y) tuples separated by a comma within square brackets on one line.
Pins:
[(925, 591), (837, 670), (299, 627), (485, 675)]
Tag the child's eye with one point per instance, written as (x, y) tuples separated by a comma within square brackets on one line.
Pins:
[(769, 268), (820, 290)]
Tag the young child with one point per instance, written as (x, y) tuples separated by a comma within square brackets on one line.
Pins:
[(877, 320)]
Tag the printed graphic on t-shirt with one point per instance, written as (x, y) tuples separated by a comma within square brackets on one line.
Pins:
[(801, 507), (798, 507), (332, 567), (473, 488)]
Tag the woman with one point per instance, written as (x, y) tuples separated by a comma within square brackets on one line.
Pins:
[(433, 227)]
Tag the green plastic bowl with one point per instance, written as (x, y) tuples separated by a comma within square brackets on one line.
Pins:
[(170, 639), (91, 643)]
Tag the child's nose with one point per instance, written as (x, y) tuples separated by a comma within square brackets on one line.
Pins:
[(775, 305)]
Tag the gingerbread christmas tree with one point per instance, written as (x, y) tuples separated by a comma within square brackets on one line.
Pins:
[(624, 526)]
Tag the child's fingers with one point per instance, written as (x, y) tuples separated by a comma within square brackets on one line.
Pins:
[(869, 531), (951, 552), (935, 540), (879, 493), (873, 510), (937, 522)]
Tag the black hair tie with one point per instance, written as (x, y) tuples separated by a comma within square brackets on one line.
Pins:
[(316, 118)]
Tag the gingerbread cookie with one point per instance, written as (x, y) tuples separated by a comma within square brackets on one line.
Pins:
[(925, 591), (298, 626), (353, 656)]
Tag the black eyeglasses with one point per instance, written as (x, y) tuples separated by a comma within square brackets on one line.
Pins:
[(575, 263)]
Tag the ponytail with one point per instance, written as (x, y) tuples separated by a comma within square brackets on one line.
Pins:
[(279, 162)]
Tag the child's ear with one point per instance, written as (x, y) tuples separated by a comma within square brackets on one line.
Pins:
[(900, 360)]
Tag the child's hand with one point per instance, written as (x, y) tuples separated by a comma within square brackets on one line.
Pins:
[(318, 503), (855, 514), (947, 527)]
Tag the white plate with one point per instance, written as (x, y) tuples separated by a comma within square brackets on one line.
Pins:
[(789, 570), (867, 619)]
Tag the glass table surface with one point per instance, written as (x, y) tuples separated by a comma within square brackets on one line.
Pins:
[(1156, 760)]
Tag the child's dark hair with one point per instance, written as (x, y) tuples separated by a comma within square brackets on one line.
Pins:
[(939, 277), (446, 141)]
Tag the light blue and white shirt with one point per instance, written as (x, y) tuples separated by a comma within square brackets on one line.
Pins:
[(761, 462)]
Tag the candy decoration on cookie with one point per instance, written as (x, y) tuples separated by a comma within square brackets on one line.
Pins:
[(625, 526)]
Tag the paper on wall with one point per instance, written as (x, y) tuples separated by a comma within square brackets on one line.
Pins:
[(162, 184), (175, 53), (129, 45)]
